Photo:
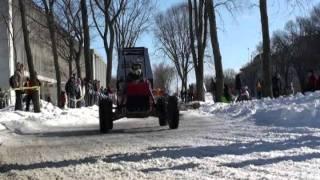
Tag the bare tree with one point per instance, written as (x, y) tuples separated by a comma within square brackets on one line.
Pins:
[(86, 40), (104, 22), (70, 20), (267, 88), (49, 11), (14, 32), (198, 28), (132, 22), (32, 72), (216, 50), (172, 32), (293, 52), (282, 54), (163, 75), (229, 77)]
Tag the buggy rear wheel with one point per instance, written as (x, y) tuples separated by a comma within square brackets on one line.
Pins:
[(105, 115), (162, 111), (173, 112)]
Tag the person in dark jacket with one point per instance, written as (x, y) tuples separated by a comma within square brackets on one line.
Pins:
[(18, 79), (71, 90), (2, 99), (30, 92), (62, 100), (312, 81), (213, 88), (190, 93), (318, 84), (259, 89), (238, 84), (276, 85), (226, 93)]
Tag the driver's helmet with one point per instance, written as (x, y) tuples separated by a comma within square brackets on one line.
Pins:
[(136, 69)]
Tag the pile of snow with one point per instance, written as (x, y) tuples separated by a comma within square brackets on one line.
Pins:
[(50, 118), (292, 111)]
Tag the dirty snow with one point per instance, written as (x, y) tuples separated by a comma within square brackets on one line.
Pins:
[(259, 139)]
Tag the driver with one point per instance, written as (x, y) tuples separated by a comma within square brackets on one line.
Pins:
[(135, 73)]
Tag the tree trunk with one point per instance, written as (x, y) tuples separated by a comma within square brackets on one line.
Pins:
[(86, 39), (52, 30), (15, 55), (216, 51), (184, 87), (87, 56), (71, 50), (33, 76), (267, 88), (77, 59), (78, 67), (110, 55), (70, 67), (198, 35), (199, 86)]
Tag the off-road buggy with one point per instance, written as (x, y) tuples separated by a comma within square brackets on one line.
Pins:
[(135, 96)]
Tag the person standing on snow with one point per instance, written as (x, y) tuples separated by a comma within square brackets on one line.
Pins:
[(30, 92), (312, 81), (226, 93), (71, 90), (276, 85), (238, 84), (2, 99), (17, 83), (213, 88), (259, 89), (318, 84)]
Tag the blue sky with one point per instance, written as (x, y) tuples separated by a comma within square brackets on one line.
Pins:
[(238, 35)]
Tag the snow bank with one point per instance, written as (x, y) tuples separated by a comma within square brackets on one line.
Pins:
[(292, 111), (50, 118)]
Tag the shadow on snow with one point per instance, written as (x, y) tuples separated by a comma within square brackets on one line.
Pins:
[(189, 151)]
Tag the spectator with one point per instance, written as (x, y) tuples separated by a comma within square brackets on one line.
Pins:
[(276, 85), (71, 90), (17, 79), (101, 90), (291, 89), (182, 95), (2, 99), (90, 93), (238, 84), (226, 93), (259, 89), (245, 95), (213, 88), (28, 96), (78, 92), (62, 100), (190, 93), (109, 90), (318, 84), (312, 81), (30, 93)]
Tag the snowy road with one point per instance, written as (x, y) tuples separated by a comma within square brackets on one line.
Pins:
[(204, 147)]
